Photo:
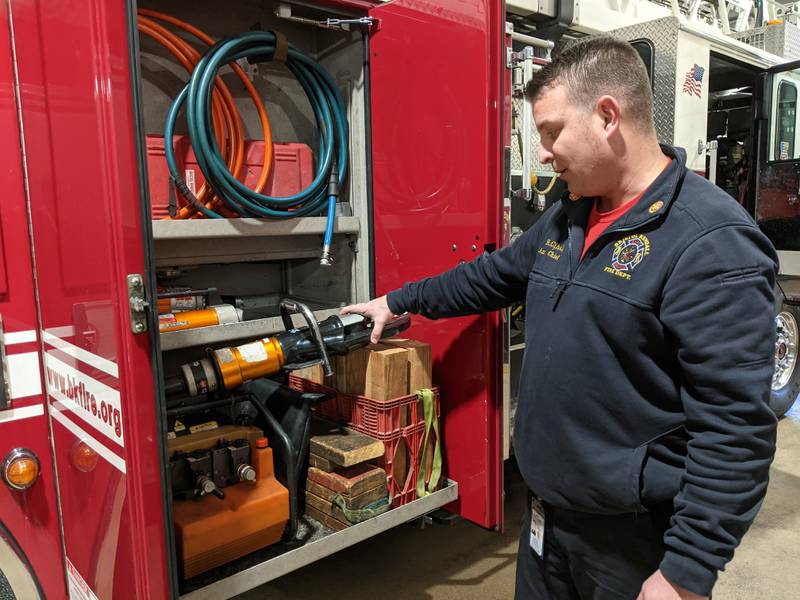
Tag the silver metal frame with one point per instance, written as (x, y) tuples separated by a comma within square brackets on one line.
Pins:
[(305, 555), (203, 241), (205, 336)]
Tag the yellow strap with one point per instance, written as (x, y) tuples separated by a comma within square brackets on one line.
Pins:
[(431, 422)]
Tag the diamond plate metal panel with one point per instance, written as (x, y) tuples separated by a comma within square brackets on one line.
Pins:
[(663, 34), (518, 105), (536, 165), (782, 39)]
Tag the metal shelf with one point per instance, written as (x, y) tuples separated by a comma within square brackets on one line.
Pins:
[(305, 555), (207, 336), (203, 241)]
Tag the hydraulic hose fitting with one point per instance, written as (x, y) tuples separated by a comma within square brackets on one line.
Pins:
[(333, 182), (327, 257), (333, 196)]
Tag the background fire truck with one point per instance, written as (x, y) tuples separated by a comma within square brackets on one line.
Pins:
[(435, 165)]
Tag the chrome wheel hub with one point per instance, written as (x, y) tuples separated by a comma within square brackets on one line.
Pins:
[(785, 349)]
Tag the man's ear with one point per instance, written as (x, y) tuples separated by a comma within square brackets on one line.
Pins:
[(609, 111)]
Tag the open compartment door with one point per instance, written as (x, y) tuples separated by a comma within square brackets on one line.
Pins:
[(436, 87), (778, 191)]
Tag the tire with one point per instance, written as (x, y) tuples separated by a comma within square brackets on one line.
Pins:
[(786, 378), (16, 580)]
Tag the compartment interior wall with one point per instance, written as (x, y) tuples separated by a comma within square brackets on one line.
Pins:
[(341, 53)]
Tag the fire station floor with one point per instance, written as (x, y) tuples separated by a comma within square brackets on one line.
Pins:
[(464, 562)]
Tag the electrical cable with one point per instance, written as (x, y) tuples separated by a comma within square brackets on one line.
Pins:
[(535, 179), (223, 121)]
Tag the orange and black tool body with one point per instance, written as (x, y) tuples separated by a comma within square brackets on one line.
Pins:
[(193, 319), (228, 368)]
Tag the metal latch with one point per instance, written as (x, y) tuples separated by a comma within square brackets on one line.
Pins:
[(338, 23), (284, 11), (137, 303), (515, 58)]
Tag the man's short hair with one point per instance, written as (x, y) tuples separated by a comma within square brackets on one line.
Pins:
[(597, 66)]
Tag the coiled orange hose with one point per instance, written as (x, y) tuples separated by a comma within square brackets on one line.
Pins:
[(226, 121)]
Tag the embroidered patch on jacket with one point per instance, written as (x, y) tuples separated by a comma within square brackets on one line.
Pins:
[(628, 253), (551, 249)]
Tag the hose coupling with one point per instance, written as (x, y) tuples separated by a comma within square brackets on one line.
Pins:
[(333, 182), (327, 256)]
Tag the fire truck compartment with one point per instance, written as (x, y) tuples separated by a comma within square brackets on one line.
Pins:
[(253, 263), (284, 252)]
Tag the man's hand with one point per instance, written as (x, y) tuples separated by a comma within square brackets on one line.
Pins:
[(658, 587), (376, 310)]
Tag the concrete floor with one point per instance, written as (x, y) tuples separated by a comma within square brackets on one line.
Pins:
[(465, 562)]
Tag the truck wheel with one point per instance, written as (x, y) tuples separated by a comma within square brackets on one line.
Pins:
[(786, 378), (16, 581)]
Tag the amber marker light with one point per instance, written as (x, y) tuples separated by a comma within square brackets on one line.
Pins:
[(20, 469), (83, 457)]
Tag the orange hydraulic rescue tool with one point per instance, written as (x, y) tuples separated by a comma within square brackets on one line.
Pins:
[(192, 319), (228, 368)]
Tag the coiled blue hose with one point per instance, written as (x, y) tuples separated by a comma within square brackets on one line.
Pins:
[(330, 114)]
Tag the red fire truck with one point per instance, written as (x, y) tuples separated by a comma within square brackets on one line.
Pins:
[(84, 412), (88, 406)]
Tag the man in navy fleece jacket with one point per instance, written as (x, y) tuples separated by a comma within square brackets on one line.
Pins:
[(643, 430)]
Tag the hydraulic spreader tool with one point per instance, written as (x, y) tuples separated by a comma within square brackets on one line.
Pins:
[(296, 348)]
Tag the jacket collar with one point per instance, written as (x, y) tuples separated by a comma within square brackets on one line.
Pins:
[(654, 203)]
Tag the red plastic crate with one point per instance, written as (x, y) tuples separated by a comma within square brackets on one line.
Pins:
[(401, 461), (383, 420), (292, 170), (372, 417), (378, 417), (328, 409)]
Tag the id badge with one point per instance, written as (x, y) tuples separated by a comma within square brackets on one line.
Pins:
[(537, 527)]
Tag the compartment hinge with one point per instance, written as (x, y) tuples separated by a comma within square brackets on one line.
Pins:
[(137, 303)]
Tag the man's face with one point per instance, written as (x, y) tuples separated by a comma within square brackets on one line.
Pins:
[(572, 141)]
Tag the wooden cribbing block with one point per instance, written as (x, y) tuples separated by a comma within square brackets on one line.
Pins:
[(337, 380), (350, 482), (323, 464), (351, 502), (387, 374), (378, 372), (316, 373), (346, 447), (355, 365), (326, 520), (325, 506), (420, 363)]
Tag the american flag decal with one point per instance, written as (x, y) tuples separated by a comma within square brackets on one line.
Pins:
[(693, 84)]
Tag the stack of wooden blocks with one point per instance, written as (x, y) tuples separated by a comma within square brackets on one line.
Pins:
[(338, 465), (376, 388), (384, 371)]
